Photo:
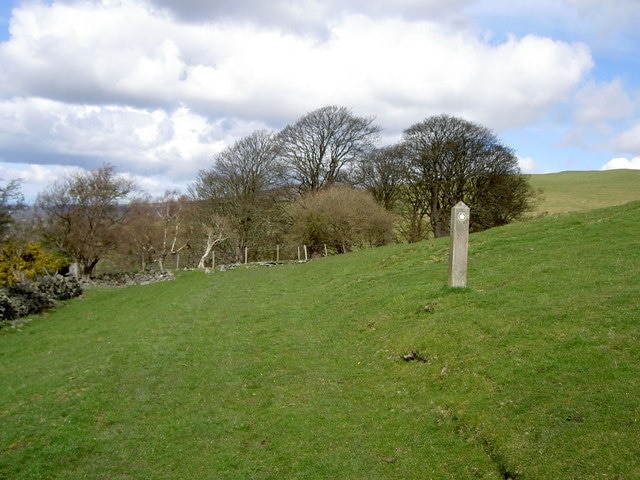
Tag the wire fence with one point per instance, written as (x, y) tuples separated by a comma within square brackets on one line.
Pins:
[(221, 257)]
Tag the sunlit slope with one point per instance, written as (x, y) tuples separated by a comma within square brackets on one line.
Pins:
[(581, 191), (356, 366)]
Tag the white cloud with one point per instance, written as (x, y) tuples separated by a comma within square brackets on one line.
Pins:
[(307, 16), (597, 103), (621, 162), (34, 178), (607, 18), (628, 141), (176, 143), (606, 25), (399, 70), (598, 109), (528, 165), (146, 87)]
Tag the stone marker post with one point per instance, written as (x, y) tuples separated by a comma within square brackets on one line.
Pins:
[(459, 245)]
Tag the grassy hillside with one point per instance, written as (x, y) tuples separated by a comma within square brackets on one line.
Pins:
[(359, 366), (582, 191)]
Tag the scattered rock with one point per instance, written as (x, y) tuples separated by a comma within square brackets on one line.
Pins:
[(116, 280), (414, 355), (24, 299), (430, 307)]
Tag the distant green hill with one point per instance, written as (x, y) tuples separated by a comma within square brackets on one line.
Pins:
[(359, 366), (581, 191)]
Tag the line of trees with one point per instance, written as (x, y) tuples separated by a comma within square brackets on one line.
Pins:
[(439, 162), (320, 182)]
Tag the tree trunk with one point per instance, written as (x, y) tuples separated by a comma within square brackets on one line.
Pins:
[(435, 216), (211, 242), (206, 253), (87, 268)]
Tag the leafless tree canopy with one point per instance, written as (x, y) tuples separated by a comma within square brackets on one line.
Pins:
[(321, 146), (383, 172), (244, 185), (245, 169), (158, 228), (82, 213), (11, 201), (269, 188)]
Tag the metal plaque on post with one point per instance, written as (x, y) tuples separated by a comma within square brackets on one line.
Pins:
[(459, 245)]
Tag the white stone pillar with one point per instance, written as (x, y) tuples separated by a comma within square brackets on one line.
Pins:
[(459, 246)]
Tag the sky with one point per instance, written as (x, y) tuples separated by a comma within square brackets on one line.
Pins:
[(157, 87)]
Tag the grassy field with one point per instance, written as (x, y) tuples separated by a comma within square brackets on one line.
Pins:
[(582, 191), (362, 366)]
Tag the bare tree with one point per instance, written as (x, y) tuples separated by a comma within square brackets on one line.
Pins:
[(384, 173), (213, 230), (321, 146), (82, 214), (170, 210), (159, 227), (245, 187), (11, 201), (413, 210), (141, 231), (454, 160)]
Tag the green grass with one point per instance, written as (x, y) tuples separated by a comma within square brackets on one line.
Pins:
[(296, 372), (582, 191)]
